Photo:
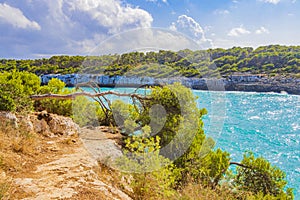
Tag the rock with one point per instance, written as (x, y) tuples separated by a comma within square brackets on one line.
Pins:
[(41, 122), (40, 126), (25, 123), (8, 118), (44, 115), (62, 125), (49, 124)]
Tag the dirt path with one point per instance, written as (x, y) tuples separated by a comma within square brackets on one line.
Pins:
[(74, 173)]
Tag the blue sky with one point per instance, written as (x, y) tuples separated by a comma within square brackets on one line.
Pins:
[(42, 28)]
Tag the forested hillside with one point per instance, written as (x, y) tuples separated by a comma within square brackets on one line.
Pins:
[(272, 60)]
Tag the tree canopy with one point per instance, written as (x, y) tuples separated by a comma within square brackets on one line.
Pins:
[(272, 60)]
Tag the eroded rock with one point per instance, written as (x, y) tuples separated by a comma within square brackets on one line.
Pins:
[(62, 125), (8, 118)]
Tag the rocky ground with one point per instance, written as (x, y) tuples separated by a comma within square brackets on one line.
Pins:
[(61, 162)]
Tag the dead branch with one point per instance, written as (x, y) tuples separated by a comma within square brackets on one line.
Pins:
[(240, 164), (87, 94)]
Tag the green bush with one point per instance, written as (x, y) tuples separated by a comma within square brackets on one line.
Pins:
[(60, 107), (153, 176), (85, 112), (15, 90)]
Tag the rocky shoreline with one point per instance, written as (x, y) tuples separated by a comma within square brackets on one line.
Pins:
[(241, 82)]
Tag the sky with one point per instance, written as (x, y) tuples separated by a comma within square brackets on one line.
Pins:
[(42, 28)]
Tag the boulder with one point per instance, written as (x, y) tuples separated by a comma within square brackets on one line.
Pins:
[(62, 125), (8, 118)]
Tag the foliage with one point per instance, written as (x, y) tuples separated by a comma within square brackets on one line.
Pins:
[(153, 176), (181, 113), (124, 115), (86, 112), (261, 178), (276, 59), (61, 107), (15, 89)]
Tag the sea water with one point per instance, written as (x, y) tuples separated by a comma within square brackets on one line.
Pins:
[(268, 124)]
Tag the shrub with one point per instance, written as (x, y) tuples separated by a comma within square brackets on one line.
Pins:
[(86, 112), (60, 107), (153, 176), (15, 90)]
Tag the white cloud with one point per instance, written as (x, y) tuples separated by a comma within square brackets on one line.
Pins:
[(172, 27), (190, 27), (16, 18), (271, 1), (155, 1), (262, 30), (238, 31), (221, 12), (112, 14), (141, 39)]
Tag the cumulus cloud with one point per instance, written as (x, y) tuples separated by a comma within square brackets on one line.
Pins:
[(238, 31), (16, 18), (112, 14), (68, 26), (271, 1), (262, 30), (141, 39), (187, 25)]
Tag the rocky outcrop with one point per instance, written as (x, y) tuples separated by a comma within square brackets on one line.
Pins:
[(251, 83), (41, 122), (54, 124)]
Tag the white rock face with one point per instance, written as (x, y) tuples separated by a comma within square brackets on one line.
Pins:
[(73, 79)]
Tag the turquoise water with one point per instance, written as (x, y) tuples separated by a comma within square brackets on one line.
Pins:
[(266, 123)]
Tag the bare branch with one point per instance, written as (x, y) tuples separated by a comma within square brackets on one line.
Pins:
[(240, 164), (76, 94)]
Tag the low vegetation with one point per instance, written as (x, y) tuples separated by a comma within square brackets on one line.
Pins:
[(174, 161)]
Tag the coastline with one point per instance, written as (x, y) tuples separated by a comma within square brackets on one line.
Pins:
[(253, 83)]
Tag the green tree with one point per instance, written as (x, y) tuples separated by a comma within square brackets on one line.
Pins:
[(257, 175)]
